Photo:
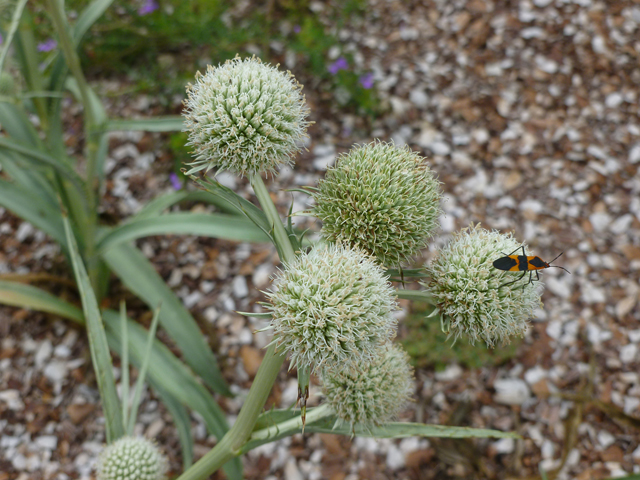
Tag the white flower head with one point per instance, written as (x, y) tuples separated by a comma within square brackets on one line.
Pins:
[(132, 458), (470, 292), (381, 198), (333, 304), (370, 393), (244, 116)]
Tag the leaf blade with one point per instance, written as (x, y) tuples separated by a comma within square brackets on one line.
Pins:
[(139, 275), (98, 345), (173, 123), (227, 227), (27, 296)]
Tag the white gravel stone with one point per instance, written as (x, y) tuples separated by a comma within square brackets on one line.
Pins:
[(558, 287), (634, 153), (621, 224), (395, 458), (43, 353), (592, 294), (614, 100), (535, 374), (605, 439), (240, 288), (600, 221), (56, 371), (511, 391), (419, 98), (262, 274), (47, 442), (631, 404), (629, 353), (504, 445), (450, 373)]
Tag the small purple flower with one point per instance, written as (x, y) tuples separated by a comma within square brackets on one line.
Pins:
[(47, 45), (366, 80), (175, 181), (340, 64), (297, 29), (148, 7)]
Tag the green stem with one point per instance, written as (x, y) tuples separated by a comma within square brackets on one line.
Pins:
[(416, 295), (231, 444), (67, 46)]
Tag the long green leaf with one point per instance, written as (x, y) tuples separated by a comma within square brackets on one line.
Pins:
[(29, 207), (227, 227), (182, 422), (25, 296), (162, 202), (15, 122), (171, 375), (15, 20), (98, 346), (240, 204), (137, 273), (156, 124), (88, 17), (61, 166), (29, 179)]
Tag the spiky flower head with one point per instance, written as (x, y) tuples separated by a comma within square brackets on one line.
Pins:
[(132, 458), (381, 198), (370, 393), (244, 116), (333, 304), (469, 291)]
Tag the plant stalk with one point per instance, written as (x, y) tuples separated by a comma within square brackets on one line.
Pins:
[(231, 444)]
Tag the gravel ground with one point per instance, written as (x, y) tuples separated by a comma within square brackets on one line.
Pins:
[(529, 113)]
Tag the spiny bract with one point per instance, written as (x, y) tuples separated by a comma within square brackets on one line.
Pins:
[(467, 288), (370, 393), (244, 116), (130, 458), (333, 304), (381, 198)]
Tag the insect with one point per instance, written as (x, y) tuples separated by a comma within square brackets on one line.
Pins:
[(523, 263)]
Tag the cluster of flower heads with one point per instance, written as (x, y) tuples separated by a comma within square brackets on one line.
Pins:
[(381, 198), (469, 291), (245, 117), (332, 307), (130, 458)]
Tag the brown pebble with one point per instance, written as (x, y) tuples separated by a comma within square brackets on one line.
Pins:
[(79, 411), (419, 457), (251, 358)]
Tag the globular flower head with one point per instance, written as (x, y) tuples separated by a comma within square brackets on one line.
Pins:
[(469, 291), (244, 116), (333, 304), (381, 198), (130, 458), (370, 393)]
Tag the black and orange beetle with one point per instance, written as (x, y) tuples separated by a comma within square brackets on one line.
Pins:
[(523, 263)]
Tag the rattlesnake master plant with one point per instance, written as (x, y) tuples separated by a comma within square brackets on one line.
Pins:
[(467, 288), (332, 305), (132, 458), (381, 198), (244, 116), (372, 392)]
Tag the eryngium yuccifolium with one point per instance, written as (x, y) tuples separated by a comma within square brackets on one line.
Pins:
[(130, 458), (467, 287), (370, 393), (333, 304), (381, 198), (244, 116)]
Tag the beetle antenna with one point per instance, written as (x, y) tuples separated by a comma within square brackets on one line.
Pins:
[(555, 258), (556, 266)]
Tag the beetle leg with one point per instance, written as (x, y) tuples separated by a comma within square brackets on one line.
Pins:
[(519, 278)]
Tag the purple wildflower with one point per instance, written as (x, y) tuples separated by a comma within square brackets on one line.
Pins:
[(297, 28), (366, 80), (47, 45), (148, 7), (340, 64), (175, 181)]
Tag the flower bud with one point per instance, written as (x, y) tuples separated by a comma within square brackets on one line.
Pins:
[(333, 304), (244, 116), (381, 198), (130, 458), (470, 292), (370, 393)]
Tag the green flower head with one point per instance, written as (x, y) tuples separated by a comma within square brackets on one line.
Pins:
[(381, 198), (370, 393), (333, 304), (130, 458), (244, 116), (470, 292)]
